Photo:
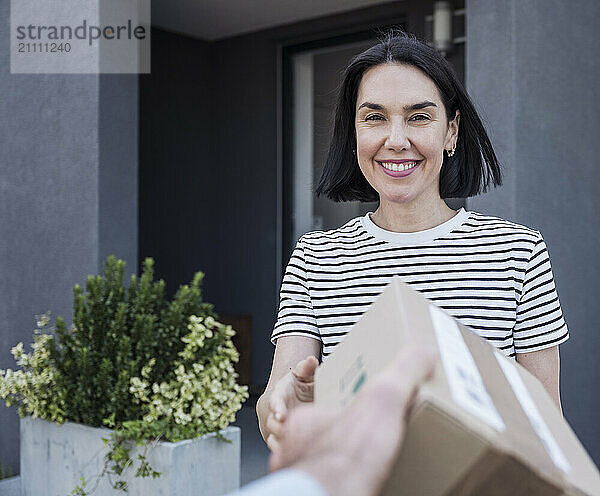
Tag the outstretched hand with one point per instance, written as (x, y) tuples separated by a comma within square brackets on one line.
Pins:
[(293, 389)]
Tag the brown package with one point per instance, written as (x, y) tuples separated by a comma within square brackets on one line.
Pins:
[(482, 425)]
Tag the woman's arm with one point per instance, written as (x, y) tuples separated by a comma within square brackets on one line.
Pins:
[(289, 350), (545, 365)]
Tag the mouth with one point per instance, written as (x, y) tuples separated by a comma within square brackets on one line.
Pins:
[(399, 168)]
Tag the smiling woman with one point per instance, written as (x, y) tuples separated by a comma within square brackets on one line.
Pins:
[(407, 135)]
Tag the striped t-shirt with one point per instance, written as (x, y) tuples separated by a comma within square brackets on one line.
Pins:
[(492, 275)]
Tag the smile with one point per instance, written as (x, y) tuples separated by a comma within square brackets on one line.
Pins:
[(396, 167)]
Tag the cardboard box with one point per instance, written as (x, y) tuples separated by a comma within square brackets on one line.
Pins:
[(482, 425)]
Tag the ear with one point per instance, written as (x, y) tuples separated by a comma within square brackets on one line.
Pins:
[(452, 134)]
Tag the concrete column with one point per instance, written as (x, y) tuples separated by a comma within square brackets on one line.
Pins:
[(68, 195), (532, 69)]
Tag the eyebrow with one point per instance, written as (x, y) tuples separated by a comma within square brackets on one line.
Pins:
[(414, 106)]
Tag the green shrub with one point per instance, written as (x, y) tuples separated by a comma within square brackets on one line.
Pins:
[(148, 367)]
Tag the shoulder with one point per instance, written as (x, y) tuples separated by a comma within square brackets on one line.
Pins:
[(478, 223), (350, 232)]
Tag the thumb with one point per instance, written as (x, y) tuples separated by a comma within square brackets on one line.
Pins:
[(411, 367), (304, 370), (415, 364)]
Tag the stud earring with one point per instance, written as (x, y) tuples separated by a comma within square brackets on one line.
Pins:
[(451, 152)]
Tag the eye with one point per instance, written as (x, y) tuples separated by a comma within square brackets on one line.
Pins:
[(373, 117), (419, 117)]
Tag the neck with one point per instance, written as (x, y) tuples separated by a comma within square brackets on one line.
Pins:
[(399, 217)]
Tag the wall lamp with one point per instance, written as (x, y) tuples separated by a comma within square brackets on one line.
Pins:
[(442, 26)]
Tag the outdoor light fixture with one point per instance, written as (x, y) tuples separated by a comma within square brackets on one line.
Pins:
[(442, 26)]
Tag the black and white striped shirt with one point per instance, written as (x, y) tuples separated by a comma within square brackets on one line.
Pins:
[(492, 275)]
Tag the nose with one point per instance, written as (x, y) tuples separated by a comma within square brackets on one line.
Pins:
[(397, 138)]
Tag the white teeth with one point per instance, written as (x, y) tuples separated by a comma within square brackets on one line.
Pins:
[(398, 167)]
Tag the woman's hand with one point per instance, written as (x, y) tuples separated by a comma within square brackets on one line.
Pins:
[(293, 389), (289, 351)]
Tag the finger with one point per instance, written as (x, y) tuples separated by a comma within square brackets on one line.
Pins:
[(402, 377), (414, 364), (273, 443), (274, 426), (304, 370), (277, 405), (304, 391)]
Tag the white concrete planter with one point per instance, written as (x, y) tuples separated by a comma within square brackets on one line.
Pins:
[(54, 457), (10, 487)]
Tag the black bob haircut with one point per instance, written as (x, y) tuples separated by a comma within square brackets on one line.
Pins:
[(474, 164)]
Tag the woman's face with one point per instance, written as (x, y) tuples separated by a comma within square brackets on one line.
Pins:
[(401, 134)]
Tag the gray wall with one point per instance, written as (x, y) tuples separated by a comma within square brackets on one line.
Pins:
[(68, 195), (533, 69)]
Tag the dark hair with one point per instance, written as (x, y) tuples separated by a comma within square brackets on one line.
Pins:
[(467, 173)]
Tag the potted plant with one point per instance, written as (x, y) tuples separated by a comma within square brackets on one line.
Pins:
[(157, 373)]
